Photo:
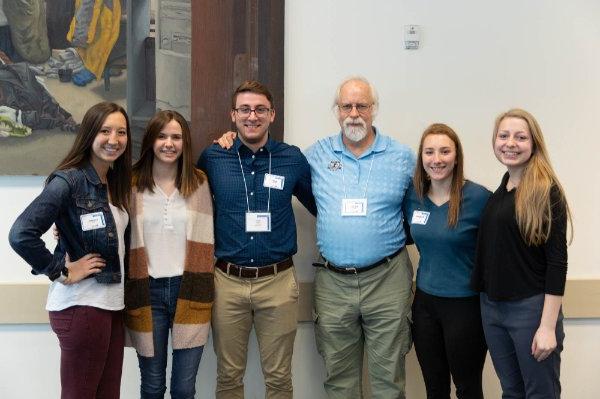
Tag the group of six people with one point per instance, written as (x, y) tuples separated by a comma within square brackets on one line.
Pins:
[(181, 248)]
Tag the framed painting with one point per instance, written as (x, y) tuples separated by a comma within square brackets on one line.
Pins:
[(57, 58)]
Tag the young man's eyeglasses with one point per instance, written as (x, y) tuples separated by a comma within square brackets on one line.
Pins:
[(247, 111)]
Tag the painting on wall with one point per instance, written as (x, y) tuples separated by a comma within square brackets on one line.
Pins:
[(57, 58)]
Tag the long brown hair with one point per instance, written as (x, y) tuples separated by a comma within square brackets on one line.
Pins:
[(119, 175), (422, 182), (533, 205), (188, 177)]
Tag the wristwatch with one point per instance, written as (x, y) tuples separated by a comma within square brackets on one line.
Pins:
[(63, 276)]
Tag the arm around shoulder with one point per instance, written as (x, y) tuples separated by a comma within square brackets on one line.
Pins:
[(303, 189), (201, 163)]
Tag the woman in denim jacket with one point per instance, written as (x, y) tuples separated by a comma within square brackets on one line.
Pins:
[(87, 197), (169, 285)]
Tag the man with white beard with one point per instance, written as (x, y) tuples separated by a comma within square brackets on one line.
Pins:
[(362, 290)]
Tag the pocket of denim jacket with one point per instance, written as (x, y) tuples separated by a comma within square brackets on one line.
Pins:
[(89, 204)]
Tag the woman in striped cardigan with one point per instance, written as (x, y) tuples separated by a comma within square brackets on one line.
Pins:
[(169, 285)]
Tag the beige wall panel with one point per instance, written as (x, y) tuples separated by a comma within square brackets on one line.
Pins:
[(24, 303)]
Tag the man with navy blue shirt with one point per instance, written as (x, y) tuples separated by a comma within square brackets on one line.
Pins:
[(255, 238), (362, 291)]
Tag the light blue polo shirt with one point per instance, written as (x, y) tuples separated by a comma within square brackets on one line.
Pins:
[(359, 241)]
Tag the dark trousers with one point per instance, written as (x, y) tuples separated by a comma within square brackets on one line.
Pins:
[(509, 329), (91, 351), (163, 297), (449, 340)]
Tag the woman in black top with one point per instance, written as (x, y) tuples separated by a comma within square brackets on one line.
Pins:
[(521, 263)]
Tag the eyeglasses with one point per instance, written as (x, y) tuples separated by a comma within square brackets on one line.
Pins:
[(360, 108), (247, 111)]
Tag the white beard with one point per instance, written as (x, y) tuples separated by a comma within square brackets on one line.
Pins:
[(354, 133)]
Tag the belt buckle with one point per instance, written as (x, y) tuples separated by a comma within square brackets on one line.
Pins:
[(351, 270), (249, 267)]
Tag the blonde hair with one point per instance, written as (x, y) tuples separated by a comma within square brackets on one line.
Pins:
[(533, 204), (421, 181)]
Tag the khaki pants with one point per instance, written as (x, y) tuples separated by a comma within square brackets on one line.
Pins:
[(367, 311), (271, 304)]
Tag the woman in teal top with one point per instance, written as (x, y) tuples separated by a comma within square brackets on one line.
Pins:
[(443, 211)]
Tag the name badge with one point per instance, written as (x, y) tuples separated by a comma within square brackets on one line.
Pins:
[(258, 222), (419, 217), (274, 181), (354, 207), (92, 221)]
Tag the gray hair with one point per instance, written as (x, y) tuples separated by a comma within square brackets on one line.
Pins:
[(362, 79)]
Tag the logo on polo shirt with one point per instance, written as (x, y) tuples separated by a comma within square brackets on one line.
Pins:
[(335, 165)]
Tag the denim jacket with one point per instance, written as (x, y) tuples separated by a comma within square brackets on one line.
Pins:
[(68, 196)]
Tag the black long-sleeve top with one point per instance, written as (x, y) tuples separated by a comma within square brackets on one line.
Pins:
[(506, 268)]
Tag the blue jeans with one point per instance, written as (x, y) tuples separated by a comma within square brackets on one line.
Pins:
[(509, 328), (163, 297)]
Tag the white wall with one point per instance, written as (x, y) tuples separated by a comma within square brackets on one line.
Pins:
[(477, 59)]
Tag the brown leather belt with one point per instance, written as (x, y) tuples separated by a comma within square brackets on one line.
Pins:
[(252, 271)]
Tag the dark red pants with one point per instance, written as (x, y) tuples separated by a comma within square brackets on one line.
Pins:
[(91, 356)]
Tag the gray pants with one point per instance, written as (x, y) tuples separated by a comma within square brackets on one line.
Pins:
[(509, 328)]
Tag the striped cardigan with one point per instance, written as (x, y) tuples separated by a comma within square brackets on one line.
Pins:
[(196, 294)]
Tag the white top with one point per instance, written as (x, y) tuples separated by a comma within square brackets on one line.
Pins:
[(164, 222), (88, 292)]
